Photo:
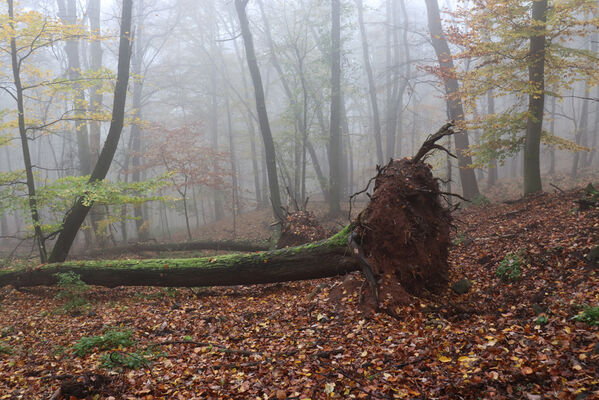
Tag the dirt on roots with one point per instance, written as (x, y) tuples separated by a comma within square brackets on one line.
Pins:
[(404, 231)]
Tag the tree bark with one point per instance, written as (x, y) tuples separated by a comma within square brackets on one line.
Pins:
[(300, 120), (335, 126), (95, 106), (536, 101), (224, 245), (454, 102), (75, 217), (376, 122), (269, 146), (19, 98), (316, 260), (492, 177), (136, 148)]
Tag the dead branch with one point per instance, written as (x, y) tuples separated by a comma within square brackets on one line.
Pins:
[(429, 144)]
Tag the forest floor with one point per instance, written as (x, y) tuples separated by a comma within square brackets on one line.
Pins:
[(529, 338)]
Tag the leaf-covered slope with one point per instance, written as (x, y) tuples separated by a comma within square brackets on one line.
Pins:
[(292, 341)]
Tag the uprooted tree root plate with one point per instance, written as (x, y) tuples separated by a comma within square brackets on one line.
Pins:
[(402, 236)]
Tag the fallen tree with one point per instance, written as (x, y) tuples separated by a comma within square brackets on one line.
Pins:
[(315, 260), (136, 248), (400, 242)]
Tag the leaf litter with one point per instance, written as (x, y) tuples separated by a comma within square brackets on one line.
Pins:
[(502, 339)]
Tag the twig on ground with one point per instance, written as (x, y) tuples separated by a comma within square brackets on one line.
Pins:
[(558, 188)]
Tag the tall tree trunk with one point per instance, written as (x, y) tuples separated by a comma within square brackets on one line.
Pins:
[(581, 134), (68, 15), (19, 97), (454, 102), (335, 126), (75, 217), (95, 64), (269, 146), (248, 116), (374, 107), (492, 176), (552, 130), (136, 147), (594, 131), (536, 100), (95, 105), (234, 177), (300, 120)]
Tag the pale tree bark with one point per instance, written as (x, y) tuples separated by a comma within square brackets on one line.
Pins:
[(68, 14), (581, 134), (299, 117), (374, 107), (492, 176), (552, 130), (536, 100), (76, 215), (19, 98), (454, 102), (595, 132), (583, 137), (96, 214), (135, 140), (335, 126), (236, 205), (269, 146)]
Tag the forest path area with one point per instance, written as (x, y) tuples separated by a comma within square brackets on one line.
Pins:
[(528, 335)]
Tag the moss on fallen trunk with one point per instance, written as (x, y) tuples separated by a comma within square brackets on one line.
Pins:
[(326, 258)]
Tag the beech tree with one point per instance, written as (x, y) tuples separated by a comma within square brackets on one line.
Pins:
[(454, 103), (75, 217), (518, 49), (269, 147)]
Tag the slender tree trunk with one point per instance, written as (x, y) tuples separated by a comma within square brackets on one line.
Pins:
[(454, 102), (581, 134), (269, 145), (594, 131), (137, 115), (252, 135), (335, 126), (78, 212), (536, 100), (68, 14), (300, 120), (19, 97), (552, 130), (234, 180), (374, 107), (95, 64), (95, 105), (492, 176)]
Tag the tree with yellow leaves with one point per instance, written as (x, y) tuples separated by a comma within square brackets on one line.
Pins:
[(518, 49)]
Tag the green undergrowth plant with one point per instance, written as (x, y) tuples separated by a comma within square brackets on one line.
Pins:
[(480, 200), (5, 349), (589, 315), (131, 360), (72, 289), (510, 268), (112, 339), (459, 239), (115, 341)]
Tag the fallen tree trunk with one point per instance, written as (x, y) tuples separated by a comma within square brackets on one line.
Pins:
[(400, 242), (226, 245), (315, 260)]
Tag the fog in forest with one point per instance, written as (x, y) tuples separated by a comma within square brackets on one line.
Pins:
[(334, 88)]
